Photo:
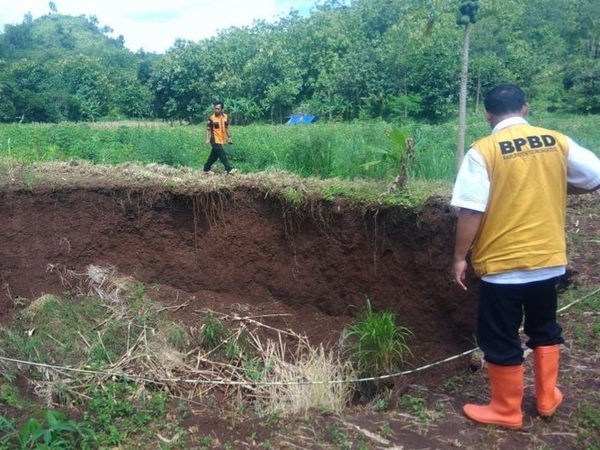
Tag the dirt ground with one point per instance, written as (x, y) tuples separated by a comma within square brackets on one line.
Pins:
[(240, 249)]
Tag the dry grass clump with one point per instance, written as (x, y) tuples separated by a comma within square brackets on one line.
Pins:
[(314, 379), (109, 329)]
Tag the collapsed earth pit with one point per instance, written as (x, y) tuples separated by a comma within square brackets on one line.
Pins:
[(309, 268), (245, 246)]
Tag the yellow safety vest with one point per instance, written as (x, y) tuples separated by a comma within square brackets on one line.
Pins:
[(523, 227)]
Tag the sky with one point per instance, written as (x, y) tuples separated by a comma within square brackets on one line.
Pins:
[(155, 25)]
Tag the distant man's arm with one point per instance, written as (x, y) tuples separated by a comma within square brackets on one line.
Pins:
[(229, 139)]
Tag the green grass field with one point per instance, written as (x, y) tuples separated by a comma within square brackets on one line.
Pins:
[(325, 150)]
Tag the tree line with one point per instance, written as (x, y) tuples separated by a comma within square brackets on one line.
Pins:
[(369, 59)]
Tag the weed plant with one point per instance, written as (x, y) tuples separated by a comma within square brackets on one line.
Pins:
[(375, 342), (49, 330), (213, 332), (117, 330), (414, 405), (52, 430), (119, 408), (10, 395), (52, 329)]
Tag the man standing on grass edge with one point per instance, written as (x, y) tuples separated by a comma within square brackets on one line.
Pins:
[(511, 192), (217, 134)]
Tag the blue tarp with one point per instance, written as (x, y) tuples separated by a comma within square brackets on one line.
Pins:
[(301, 118)]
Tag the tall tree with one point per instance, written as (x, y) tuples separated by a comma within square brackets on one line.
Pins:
[(467, 15)]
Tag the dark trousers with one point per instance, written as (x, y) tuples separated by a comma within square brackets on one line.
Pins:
[(500, 314), (217, 152)]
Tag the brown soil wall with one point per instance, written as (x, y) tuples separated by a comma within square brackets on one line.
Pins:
[(326, 257)]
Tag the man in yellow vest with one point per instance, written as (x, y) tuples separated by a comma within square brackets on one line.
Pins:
[(217, 134), (511, 193)]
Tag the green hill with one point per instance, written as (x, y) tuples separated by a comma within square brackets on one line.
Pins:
[(60, 67), (55, 36)]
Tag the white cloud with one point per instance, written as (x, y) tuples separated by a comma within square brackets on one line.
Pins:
[(154, 25)]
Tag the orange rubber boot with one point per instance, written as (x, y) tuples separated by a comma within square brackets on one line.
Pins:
[(506, 385), (545, 365)]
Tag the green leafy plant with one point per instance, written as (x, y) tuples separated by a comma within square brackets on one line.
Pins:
[(120, 409), (206, 442), (9, 393), (213, 332), (255, 369), (385, 429), (379, 404), (589, 417), (393, 156), (54, 430), (376, 344), (413, 405), (397, 157)]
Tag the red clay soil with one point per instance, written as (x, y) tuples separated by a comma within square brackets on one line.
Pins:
[(242, 249)]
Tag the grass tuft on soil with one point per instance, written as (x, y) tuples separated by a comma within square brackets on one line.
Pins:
[(296, 191), (106, 344)]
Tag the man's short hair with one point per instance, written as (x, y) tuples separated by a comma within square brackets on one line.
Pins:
[(504, 99), (218, 102)]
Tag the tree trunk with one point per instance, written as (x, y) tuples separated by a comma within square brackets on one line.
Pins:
[(462, 106), (478, 91), (400, 180)]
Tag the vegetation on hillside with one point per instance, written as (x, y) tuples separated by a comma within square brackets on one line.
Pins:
[(370, 59)]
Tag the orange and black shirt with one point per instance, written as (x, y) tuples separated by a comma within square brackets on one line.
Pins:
[(217, 125)]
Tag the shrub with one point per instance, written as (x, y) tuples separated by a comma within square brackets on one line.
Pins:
[(375, 343)]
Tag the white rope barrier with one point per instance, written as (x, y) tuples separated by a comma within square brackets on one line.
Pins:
[(259, 383)]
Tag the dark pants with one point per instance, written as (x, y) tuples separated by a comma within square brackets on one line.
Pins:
[(217, 152), (500, 313)]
